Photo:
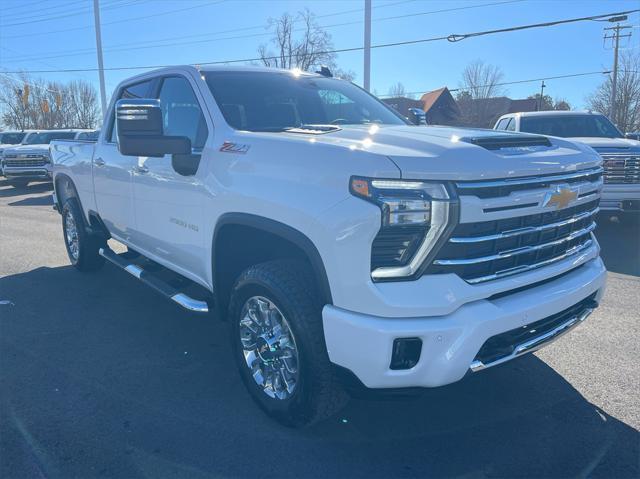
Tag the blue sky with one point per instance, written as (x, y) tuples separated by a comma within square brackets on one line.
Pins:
[(58, 34)]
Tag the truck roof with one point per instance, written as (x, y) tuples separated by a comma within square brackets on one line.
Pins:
[(552, 113), (214, 68)]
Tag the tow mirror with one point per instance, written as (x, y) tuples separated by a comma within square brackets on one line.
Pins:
[(417, 116), (140, 130)]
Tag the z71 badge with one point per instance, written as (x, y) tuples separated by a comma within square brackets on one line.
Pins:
[(229, 147)]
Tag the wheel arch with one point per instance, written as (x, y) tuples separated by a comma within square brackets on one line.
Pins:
[(65, 188), (268, 234)]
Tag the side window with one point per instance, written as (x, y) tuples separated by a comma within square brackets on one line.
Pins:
[(137, 90), (181, 112), (511, 126), (502, 124)]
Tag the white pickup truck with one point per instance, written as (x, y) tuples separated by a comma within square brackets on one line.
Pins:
[(346, 248), (621, 156), (30, 161)]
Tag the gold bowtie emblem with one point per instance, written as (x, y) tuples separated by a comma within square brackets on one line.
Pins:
[(561, 198)]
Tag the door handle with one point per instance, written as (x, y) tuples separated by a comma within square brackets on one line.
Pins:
[(98, 162), (141, 169)]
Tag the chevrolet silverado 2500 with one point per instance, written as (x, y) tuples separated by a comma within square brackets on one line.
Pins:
[(621, 156), (345, 247), (30, 161)]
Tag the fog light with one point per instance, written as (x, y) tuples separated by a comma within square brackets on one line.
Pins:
[(406, 353)]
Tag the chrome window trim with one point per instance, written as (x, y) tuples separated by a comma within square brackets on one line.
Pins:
[(521, 231)]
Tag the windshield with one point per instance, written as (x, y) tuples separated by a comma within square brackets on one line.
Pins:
[(46, 137), (570, 126), (11, 138), (264, 101)]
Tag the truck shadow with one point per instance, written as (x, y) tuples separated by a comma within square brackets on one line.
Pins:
[(620, 243), (100, 376), (7, 191)]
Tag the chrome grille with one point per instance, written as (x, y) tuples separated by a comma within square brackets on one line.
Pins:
[(489, 250), (621, 169), (27, 161)]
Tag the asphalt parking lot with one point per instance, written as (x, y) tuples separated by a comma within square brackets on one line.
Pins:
[(100, 377)]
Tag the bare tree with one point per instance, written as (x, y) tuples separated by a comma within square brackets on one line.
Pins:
[(397, 90), (480, 85), (627, 111), (482, 80), (27, 102), (549, 103), (306, 47)]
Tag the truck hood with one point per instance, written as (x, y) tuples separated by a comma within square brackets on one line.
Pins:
[(606, 143), (430, 152), (28, 150)]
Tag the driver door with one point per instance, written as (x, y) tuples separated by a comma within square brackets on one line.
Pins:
[(168, 205)]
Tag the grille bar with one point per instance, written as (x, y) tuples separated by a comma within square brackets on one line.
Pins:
[(523, 250), (621, 168), (25, 163), (522, 269), (526, 230)]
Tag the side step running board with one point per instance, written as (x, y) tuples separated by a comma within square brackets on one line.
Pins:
[(154, 282)]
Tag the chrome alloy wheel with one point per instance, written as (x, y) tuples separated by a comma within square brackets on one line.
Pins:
[(71, 235), (269, 347)]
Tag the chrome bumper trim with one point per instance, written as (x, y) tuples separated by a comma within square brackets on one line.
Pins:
[(535, 343)]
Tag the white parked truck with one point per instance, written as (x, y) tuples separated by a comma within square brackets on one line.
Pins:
[(30, 160), (11, 138), (345, 247), (621, 156)]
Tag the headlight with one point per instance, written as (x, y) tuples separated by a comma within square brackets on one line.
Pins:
[(415, 217)]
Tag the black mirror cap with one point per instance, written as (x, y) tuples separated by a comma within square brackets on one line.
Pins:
[(153, 146), (140, 130)]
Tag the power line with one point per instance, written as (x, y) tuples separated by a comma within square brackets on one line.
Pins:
[(352, 49), (515, 82), (70, 13), (205, 34), (113, 22), (131, 46), (4, 9)]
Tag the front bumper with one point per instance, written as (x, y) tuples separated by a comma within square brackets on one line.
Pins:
[(622, 198), (450, 344), (31, 173)]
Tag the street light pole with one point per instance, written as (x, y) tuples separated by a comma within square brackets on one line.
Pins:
[(103, 94), (616, 44), (367, 45)]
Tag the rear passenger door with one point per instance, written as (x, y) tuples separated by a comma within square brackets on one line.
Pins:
[(168, 205), (112, 172)]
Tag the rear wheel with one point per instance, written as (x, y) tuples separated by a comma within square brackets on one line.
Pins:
[(82, 247), (278, 341)]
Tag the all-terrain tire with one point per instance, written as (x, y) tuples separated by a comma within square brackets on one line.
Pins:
[(82, 246), (288, 285)]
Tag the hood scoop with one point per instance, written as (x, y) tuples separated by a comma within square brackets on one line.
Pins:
[(499, 142)]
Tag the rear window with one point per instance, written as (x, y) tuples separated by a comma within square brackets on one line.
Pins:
[(11, 138), (46, 137), (570, 126)]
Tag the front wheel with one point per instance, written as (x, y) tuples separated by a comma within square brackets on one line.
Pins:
[(278, 342), (82, 247)]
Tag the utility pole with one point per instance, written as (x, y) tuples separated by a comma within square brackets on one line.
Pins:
[(616, 44), (103, 94), (541, 95), (367, 45)]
